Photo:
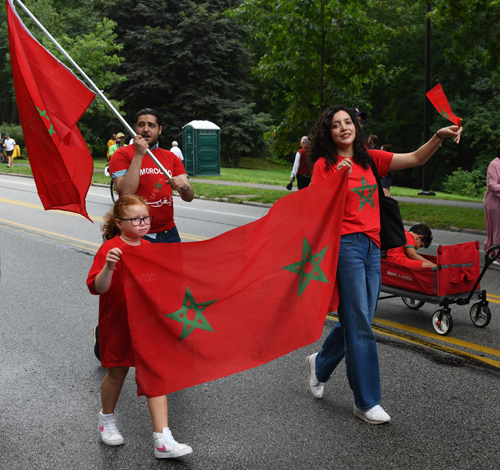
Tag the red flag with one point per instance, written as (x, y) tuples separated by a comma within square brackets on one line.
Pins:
[(438, 99), (203, 310), (50, 100)]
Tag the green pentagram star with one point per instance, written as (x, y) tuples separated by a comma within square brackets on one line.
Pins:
[(316, 273), (44, 115), (158, 185), (360, 191), (444, 113), (199, 321)]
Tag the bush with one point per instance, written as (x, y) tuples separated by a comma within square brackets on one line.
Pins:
[(466, 183)]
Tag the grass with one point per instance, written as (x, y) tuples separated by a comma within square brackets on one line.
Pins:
[(257, 171)]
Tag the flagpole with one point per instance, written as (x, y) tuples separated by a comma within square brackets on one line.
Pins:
[(166, 172)]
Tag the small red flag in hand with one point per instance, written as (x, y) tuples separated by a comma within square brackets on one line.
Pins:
[(50, 101), (440, 102)]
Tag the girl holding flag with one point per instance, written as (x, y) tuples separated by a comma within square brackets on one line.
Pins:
[(337, 143), (124, 226)]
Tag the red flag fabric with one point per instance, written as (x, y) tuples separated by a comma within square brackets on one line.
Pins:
[(438, 99), (203, 310), (50, 100)]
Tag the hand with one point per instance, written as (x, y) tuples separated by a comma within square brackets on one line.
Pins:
[(113, 257), (451, 131), (345, 162), (141, 146), (387, 193), (178, 183)]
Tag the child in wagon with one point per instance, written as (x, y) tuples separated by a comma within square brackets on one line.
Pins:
[(418, 236)]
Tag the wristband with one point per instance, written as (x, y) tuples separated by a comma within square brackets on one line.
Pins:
[(442, 138)]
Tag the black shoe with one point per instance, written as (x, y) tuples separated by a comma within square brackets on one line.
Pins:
[(96, 343)]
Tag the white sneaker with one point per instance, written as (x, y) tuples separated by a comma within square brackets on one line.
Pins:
[(108, 430), (166, 447), (496, 262), (315, 386), (375, 415)]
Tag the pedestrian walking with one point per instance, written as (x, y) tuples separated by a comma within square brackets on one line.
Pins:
[(10, 145), (492, 205), (337, 143), (301, 168), (124, 226)]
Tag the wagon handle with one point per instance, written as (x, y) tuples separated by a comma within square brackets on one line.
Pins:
[(487, 261)]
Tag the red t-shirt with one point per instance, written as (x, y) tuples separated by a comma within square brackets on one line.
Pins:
[(361, 213), (153, 186), (398, 255), (115, 345)]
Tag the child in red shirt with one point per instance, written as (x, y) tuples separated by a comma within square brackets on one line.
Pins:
[(124, 226), (420, 235)]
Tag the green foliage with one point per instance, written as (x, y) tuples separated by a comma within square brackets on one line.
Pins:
[(16, 132), (318, 52), (187, 60), (466, 183)]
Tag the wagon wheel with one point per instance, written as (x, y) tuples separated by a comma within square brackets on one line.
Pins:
[(480, 314), (412, 303), (442, 322)]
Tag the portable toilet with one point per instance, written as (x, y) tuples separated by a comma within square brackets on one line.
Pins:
[(201, 148)]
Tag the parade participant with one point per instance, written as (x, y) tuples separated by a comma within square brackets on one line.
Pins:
[(337, 143), (111, 142), (134, 173), (175, 149), (125, 224), (420, 235), (10, 145), (492, 205), (119, 143), (301, 167)]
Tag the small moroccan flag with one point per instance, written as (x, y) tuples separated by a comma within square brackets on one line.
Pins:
[(203, 310), (50, 101), (438, 99)]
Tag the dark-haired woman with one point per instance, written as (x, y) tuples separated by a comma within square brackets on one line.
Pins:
[(337, 143)]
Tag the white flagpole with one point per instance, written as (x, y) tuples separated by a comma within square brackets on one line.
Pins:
[(166, 172)]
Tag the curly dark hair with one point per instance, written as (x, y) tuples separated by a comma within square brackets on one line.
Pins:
[(322, 143), (109, 228)]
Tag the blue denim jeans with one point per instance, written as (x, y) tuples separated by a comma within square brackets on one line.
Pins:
[(359, 279), (170, 236)]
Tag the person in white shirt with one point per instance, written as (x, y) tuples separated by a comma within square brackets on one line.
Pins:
[(10, 144), (175, 149)]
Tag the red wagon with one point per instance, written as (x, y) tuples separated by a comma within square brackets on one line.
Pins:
[(455, 280)]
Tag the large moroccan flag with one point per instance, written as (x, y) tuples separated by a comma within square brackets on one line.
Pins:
[(440, 102), (204, 310), (50, 100)]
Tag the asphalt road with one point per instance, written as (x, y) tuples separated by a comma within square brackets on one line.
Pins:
[(442, 400)]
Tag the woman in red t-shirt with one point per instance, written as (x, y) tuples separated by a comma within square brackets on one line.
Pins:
[(337, 143)]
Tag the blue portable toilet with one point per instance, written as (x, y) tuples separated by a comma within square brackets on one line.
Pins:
[(201, 148)]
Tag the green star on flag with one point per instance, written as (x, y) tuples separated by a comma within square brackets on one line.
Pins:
[(44, 114), (308, 258), (158, 185), (365, 198), (444, 113), (189, 303)]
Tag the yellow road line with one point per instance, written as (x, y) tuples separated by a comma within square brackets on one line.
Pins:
[(431, 345), (493, 295), (58, 235)]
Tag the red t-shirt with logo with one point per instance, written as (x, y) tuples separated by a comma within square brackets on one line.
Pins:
[(361, 213), (398, 255), (115, 345), (153, 186)]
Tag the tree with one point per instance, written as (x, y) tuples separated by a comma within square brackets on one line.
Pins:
[(187, 60), (320, 52)]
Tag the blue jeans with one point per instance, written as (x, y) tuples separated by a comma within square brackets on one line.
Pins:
[(170, 236), (359, 279)]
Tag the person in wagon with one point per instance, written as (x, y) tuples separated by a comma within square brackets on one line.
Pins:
[(418, 236)]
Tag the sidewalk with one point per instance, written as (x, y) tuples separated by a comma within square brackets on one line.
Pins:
[(417, 200)]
